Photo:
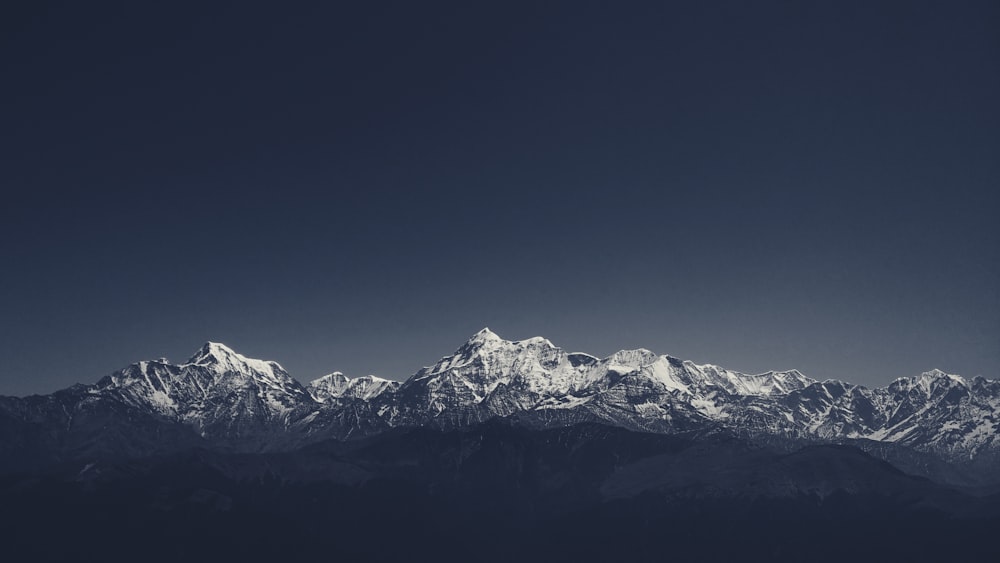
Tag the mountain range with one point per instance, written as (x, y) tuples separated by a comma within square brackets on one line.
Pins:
[(935, 424)]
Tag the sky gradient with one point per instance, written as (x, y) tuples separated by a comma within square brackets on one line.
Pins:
[(756, 185)]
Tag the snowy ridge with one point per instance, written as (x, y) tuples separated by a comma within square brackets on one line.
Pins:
[(490, 376), (225, 395), (336, 385)]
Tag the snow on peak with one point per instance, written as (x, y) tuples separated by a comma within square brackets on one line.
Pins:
[(222, 358), (330, 378), (485, 334), (212, 351), (486, 339), (928, 379), (217, 390), (330, 385), (628, 360), (928, 383), (536, 341), (938, 374), (336, 385)]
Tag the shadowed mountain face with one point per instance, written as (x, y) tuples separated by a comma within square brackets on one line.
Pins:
[(935, 424), (496, 492)]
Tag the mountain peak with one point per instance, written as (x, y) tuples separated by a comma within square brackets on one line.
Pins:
[(484, 339), (222, 358), (488, 338), (212, 350), (215, 349), (930, 376), (936, 374), (485, 335), (929, 380), (632, 358), (536, 341)]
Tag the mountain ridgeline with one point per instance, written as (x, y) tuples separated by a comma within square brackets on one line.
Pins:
[(936, 425)]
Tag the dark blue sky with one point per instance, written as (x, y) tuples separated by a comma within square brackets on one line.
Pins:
[(757, 185)]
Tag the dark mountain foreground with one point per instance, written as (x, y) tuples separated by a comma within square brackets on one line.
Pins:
[(497, 492)]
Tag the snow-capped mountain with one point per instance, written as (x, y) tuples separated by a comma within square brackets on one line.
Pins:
[(224, 397), (218, 392), (489, 377)]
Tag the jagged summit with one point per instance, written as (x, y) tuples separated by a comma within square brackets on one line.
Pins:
[(212, 351), (220, 357), (485, 334), (484, 337), (930, 377), (929, 381), (488, 337), (939, 374), (632, 359)]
